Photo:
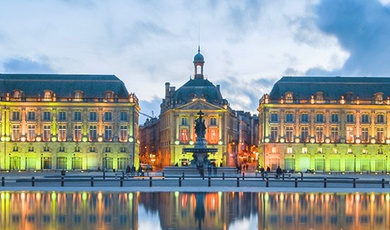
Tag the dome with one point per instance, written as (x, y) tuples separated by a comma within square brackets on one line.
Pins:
[(198, 58)]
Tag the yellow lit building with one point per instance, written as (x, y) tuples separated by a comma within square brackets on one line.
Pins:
[(178, 113), (326, 124), (71, 122)]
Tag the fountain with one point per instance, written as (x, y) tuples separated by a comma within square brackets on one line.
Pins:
[(200, 150)]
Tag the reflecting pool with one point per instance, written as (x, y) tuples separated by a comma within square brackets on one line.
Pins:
[(180, 210)]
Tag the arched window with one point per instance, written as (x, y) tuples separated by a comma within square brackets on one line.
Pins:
[(47, 95), (378, 97), (109, 95), (78, 95), (17, 95), (319, 96), (289, 97)]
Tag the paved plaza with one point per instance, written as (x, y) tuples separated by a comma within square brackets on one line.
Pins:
[(248, 181)]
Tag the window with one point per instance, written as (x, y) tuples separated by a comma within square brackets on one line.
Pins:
[(304, 150), (61, 116), (274, 134), (304, 117), (47, 95), (46, 149), (364, 135), (17, 94), (380, 135), (123, 133), (107, 116), (107, 149), (350, 118), (46, 133), (16, 116), (78, 95), (77, 149), (108, 133), (289, 117), (184, 136), (109, 95), (123, 116), (289, 97), (289, 134), (305, 134), (46, 116), (77, 116), (349, 136), (319, 117), (213, 121), (30, 148), (15, 133), (380, 118), (334, 118), (289, 150), (93, 116), (334, 134), (365, 118), (15, 149), (378, 98), (122, 149), (31, 116), (61, 149), (274, 117), (319, 134), (92, 133), (213, 136), (92, 149), (184, 121), (319, 97), (31, 133), (77, 133), (61, 133)]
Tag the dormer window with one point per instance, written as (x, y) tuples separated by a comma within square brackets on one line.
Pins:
[(17, 95), (289, 97), (319, 97), (78, 95), (378, 97), (109, 95), (47, 95)]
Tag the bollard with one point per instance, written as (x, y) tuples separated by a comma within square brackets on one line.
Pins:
[(2, 181), (354, 182), (383, 183), (183, 175), (325, 182), (296, 182), (62, 181), (209, 182), (223, 176), (150, 181), (121, 182), (282, 176), (267, 182), (163, 175), (33, 181), (243, 176), (238, 182), (301, 175), (91, 181), (179, 181)]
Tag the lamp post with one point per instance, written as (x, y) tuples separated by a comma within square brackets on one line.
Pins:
[(104, 166), (41, 162), (9, 159)]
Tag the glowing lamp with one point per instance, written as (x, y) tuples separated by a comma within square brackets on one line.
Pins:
[(177, 142), (54, 139), (131, 139), (297, 140), (372, 141), (327, 140), (191, 142), (38, 139), (312, 140), (85, 139), (357, 141), (100, 139), (281, 140), (387, 141), (220, 142), (266, 140), (2, 138), (7, 138), (23, 139)]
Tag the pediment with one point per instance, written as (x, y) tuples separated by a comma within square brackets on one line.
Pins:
[(199, 105)]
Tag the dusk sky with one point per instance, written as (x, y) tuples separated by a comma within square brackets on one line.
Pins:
[(247, 45)]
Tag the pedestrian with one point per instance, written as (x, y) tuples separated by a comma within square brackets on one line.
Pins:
[(278, 172)]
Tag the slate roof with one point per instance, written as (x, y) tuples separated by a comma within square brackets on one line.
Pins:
[(332, 87), (199, 88), (64, 85)]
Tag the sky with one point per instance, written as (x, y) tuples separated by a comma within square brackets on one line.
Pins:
[(248, 45)]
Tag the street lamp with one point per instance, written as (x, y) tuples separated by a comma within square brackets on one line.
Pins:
[(104, 166), (41, 162), (9, 159)]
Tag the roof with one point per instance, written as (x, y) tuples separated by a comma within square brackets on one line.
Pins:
[(199, 88), (64, 85), (332, 87)]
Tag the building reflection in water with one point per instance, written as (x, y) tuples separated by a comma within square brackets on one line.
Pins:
[(179, 210)]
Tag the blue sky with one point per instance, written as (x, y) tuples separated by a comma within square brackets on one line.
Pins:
[(247, 44)]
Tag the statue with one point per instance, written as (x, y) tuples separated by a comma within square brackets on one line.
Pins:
[(200, 127)]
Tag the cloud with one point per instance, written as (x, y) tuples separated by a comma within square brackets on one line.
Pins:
[(363, 29), (24, 65)]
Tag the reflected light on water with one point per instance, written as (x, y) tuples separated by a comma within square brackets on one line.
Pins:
[(183, 210)]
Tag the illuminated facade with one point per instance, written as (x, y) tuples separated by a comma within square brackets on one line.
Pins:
[(327, 124), (72, 122), (178, 114)]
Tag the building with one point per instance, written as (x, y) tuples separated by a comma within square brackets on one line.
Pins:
[(326, 124), (179, 110), (150, 142), (71, 122)]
